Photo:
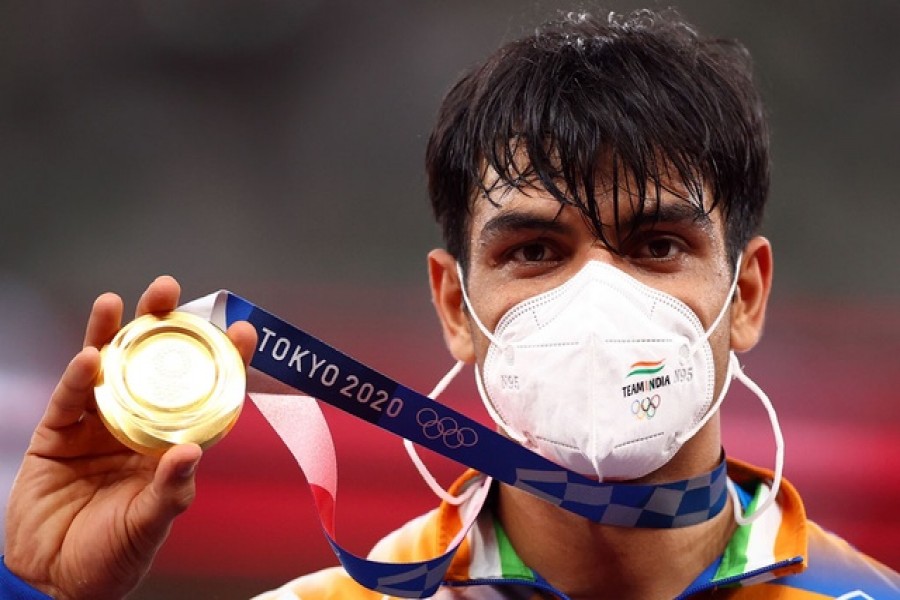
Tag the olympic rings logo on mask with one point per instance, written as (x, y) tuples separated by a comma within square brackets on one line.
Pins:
[(446, 428), (646, 408)]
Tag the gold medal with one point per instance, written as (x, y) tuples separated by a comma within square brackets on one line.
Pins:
[(170, 379)]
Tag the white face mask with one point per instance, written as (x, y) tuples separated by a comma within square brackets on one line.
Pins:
[(603, 375)]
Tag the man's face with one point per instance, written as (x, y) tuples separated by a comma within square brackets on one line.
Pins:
[(526, 245), (522, 244)]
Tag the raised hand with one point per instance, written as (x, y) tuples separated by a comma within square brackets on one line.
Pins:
[(86, 515)]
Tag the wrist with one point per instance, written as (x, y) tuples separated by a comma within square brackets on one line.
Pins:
[(14, 588)]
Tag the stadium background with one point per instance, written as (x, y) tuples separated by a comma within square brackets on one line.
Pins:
[(275, 148)]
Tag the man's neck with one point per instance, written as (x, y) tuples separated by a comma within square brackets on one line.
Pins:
[(588, 560)]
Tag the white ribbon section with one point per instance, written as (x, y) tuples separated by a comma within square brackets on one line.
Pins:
[(210, 307), (300, 424)]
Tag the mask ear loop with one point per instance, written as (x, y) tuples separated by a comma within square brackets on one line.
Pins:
[(484, 330), (736, 372), (725, 306), (417, 460), (438, 390), (732, 359), (779, 454), (729, 376), (479, 382)]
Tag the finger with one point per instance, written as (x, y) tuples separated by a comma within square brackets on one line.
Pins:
[(75, 390), (169, 494), (105, 320), (243, 336), (159, 297)]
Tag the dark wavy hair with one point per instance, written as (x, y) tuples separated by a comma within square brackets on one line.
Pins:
[(633, 101)]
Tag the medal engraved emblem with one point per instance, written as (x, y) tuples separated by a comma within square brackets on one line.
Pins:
[(169, 379)]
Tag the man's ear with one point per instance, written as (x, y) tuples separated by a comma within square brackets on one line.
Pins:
[(748, 312), (446, 295)]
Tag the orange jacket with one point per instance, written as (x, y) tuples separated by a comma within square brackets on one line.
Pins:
[(781, 556)]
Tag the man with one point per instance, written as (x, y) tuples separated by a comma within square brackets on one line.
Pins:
[(581, 175)]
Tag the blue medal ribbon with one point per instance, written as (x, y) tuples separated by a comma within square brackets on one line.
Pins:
[(311, 366), (304, 362)]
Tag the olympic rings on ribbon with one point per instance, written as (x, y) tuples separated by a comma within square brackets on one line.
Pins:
[(446, 428), (646, 408)]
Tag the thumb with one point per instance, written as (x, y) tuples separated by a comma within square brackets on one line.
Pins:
[(169, 494)]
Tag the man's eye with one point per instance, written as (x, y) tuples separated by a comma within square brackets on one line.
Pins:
[(532, 253), (660, 248)]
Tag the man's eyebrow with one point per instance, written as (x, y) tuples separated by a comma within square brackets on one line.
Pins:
[(669, 212), (511, 221)]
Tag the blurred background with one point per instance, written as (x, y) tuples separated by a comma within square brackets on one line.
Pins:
[(275, 148)]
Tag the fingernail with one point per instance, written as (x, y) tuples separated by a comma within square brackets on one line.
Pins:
[(186, 471)]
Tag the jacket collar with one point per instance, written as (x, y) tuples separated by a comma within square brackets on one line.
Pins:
[(773, 546)]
